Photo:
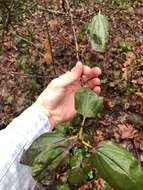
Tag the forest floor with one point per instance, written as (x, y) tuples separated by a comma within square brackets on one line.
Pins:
[(26, 68)]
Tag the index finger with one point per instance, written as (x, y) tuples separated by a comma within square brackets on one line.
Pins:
[(91, 72)]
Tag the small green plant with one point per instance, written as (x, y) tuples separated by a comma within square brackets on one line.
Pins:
[(10, 100), (140, 39), (53, 151), (12, 11), (33, 84), (28, 66), (123, 2), (125, 46), (58, 154), (65, 158)]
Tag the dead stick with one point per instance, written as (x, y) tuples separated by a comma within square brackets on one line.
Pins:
[(53, 11), (26, 75), (4, 72), (74, 31), (26, 40)]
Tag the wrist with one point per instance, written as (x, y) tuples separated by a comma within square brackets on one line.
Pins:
[(48, 113)]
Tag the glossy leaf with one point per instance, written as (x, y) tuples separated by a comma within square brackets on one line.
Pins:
[(63, 127), (76, 121), (40, 144), (48, 161), (118, 167), (98, 32), (77, 176), (88, 103), (63, 187), (76, 168), (77, 158)]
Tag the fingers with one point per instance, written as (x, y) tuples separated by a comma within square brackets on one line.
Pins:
[(75, 74), (69, 77), (91, 72), (97, 89), (78, 69), (94, 82)]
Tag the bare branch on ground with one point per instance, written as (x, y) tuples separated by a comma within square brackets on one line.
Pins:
[(73, 28)]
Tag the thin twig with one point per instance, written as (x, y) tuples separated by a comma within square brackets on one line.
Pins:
[(135, 150), (4, 72), (26, 40), (89, 15), (56, 12), (88, 80), (74, 31), (5, 25), (9, 12), (26, 75), (53, 11)]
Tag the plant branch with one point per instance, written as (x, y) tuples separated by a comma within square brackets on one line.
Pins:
[(5, 24), (86, 81), (81, 129), (72, 138), (74, 31), (81, 134), (26, 75), (8, 13), (53, 11), (26, 40), (86, 144)]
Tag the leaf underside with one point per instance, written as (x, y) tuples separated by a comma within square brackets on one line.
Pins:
[(98, 32)]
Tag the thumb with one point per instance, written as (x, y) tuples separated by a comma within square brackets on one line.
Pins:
[(69, 77), (77, 70)]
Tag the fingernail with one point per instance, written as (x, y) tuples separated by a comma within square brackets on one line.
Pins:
[(98, 71), (79, 63)]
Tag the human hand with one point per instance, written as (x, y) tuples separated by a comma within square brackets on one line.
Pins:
[(57, 100)]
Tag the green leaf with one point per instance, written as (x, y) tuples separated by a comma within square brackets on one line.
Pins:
[(98, 32), (88, 103), (10, 100), (125, 46), (64, 187), (76, 168), (118, 167), (63, 127), (48, 161), (76, 121), (39, 145), (77, 176), (77, 158)]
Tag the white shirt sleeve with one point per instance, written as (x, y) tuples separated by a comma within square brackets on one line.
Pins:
[(16, 138)]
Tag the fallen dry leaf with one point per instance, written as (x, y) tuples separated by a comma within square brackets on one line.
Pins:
[(53, 24), (126, 131), (47, 47), (140, 94), (135, 119), (108, 103), (130, 57), (48, 58), (86, 186), (99, 183)]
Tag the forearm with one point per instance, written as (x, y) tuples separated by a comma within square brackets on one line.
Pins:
[(13, 140)]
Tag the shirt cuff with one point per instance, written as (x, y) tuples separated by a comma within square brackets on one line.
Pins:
[(32, 123)]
